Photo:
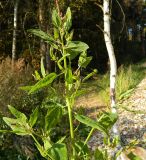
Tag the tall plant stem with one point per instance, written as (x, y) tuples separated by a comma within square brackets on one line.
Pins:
[(69, 106), (71, 127)]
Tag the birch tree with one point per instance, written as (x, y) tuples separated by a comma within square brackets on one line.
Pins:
[(113, 64), (16, 2)]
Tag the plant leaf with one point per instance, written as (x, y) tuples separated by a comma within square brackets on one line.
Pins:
[(82, 149), (37, 76), (17, 126), (47, 143), (52, 117), (58, 151), (90, 122), (43, 82), (107, 120), (90, 75), (84, 60), (43, 72), (69, 76), (75, 47), (56, 20), (68, 20), (43, 35), (33, 117), (17, 114), (26, 88)]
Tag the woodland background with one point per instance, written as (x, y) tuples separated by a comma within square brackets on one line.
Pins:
[(128, 31)]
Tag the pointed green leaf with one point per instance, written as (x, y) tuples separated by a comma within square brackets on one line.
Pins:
[(17, 126), (56, 19), (89, 75), (90, 122), (61, 139), (37, 76), (69, 76), (69, 36), (43, 82), (52, 117), (56, 33), (43, 72), (67, 21), (26, 88), (17, 114), (43, 35), (33, 117)]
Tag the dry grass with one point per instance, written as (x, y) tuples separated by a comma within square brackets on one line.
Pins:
[(11, 78)]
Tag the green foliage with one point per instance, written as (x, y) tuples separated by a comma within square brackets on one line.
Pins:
[(56, 19), (52, 117), (33, 117), (128, 77), (105, 122), (44, 120)]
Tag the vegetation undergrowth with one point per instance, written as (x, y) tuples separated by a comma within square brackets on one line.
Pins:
[(128, 77), (10, 80), (45, 120)]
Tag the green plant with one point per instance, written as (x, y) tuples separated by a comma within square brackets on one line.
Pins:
[(44, 120)]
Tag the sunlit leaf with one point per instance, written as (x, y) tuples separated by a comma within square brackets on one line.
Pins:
[(90, 122), (47, 143), (67, 20), (37, 76), (17, 113), (75, 47), (26, 88), (43, 72), (43, 82), (58, 151), (17, 126), (69, 76), (56, 19)]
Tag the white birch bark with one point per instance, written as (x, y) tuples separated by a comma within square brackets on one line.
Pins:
[(113, 70), (15, 31), (112, 59)]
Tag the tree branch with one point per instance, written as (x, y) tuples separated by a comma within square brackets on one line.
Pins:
[(99, 5)]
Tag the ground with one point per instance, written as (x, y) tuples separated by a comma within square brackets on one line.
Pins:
[(132, 115)]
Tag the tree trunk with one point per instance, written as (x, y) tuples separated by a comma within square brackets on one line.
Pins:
[(43, 25), (112, 59), (15, 31)]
